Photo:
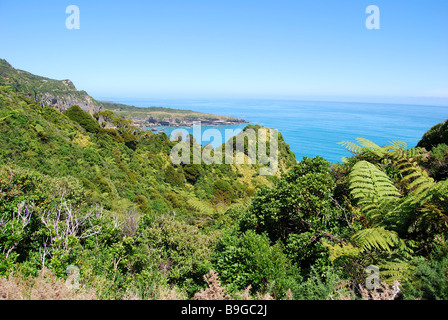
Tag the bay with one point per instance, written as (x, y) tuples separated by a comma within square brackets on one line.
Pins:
[(314, 128)]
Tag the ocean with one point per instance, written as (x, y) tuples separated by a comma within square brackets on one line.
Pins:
[(314, 128)]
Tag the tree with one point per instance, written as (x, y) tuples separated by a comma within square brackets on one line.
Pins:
[(438, 134), (299, 210), (248, 259), (86, 121)]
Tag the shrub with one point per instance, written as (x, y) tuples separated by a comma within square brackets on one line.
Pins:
[(181, 251), (192, 172), (223, 191), (300, 201), (249, 259), (86, 121), (173, 177), (438, 134), (430, 277)]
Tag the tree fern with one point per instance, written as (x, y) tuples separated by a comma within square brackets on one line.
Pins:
[(426, 203), (200, 206), (372, 188), (365, 143), (413, 152), (370, 148), (341, 249), (396, 270), (375, 239), (415, 178), (397, 145), (350, 146)]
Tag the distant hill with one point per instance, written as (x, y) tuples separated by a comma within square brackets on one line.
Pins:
[(159, 116), (60, 94)]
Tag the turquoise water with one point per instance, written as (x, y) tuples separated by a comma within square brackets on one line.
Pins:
[(314, 128), (215, 139)]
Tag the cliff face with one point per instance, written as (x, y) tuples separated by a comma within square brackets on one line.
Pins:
[(59, 94), (64, 101)]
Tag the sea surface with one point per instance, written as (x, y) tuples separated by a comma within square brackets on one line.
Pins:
[(314, 128)]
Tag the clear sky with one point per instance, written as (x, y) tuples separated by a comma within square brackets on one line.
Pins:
[(234, 48)]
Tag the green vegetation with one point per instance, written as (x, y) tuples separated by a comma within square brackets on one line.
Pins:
[(435, 136), (60, 94), (100, 195)]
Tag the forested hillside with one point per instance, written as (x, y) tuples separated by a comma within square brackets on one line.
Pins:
[(106, 209)]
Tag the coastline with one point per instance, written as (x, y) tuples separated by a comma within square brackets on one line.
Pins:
[(186, 122), (143, 117)]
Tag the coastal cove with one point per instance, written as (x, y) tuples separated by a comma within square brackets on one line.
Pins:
[(313, 128), (236, 128)]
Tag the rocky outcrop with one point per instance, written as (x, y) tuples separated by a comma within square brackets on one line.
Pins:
[(67, 99)]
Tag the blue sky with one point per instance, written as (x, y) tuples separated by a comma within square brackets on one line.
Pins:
[(316, 49)]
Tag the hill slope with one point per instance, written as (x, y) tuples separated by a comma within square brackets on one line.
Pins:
[(60, 94)]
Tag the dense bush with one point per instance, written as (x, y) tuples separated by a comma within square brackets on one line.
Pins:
[(181, 251), (430, 278), (105, 200), (249, 259), (174, 177), (299, 210), (86, 121), (438, 134)]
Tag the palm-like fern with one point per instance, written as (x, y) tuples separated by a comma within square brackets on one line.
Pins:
[(396, 270), (420, 206), (414, 177), (373, 189), (370, 148), (376, 239), (376, 194), (426, 199), (201, 206), (363, 144)]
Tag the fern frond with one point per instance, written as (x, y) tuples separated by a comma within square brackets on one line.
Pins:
[(424, 197), (366, 178), (397, 145), (339, 250), (373, 188), (415, 178), (350, 146), (413, 152), (376, 238), (201, 206), (396, 270), (366, 143)]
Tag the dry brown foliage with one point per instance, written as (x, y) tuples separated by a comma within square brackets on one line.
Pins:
[(246, 294), (45, 287), (214, 290), (385, 292)]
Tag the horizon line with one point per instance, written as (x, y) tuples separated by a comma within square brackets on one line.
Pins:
[(395, 100)]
